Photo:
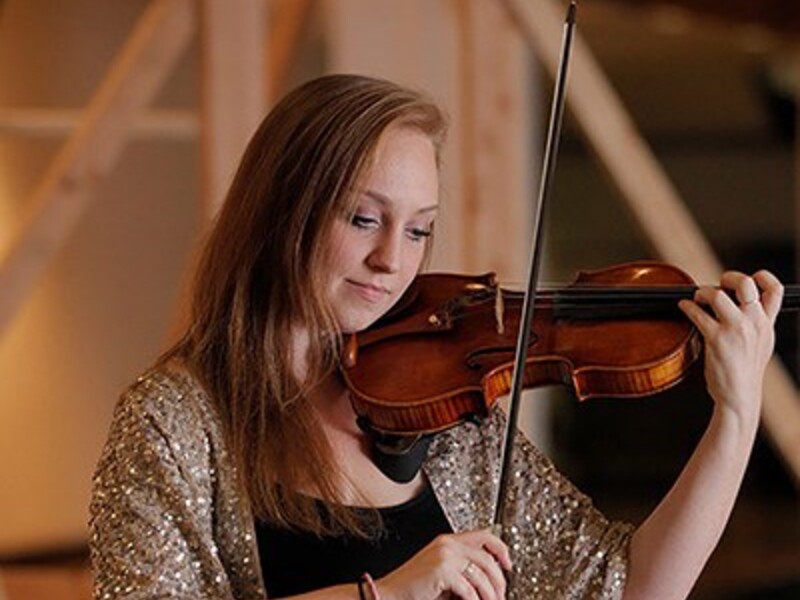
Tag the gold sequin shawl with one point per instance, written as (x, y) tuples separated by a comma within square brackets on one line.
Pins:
[(166, 520)]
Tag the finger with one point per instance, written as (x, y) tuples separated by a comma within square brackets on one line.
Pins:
[(490, 571), (463, 588), (723, 307), (484, 539), (772, 293), (481, 581), (499, 550), (743, 286), (704, 322), (490, 555)]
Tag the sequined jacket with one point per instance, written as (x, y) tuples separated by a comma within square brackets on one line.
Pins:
[(166, 520)]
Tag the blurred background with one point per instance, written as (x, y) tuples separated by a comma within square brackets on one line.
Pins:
[(120, 124)]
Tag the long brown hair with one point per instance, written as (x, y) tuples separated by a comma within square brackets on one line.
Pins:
[(262, 270)]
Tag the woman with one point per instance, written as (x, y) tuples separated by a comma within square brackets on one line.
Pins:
[(235, 468)]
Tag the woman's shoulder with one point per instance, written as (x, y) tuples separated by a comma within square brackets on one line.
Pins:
[(163, 385), (471, 442), (170, 398)]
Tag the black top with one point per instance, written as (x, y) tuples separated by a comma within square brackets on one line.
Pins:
[(293, 563)]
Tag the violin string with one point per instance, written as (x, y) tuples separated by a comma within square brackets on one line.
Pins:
[(791, 290), (586, 299), (579, 308)]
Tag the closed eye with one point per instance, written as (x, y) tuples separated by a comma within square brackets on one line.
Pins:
[(418, 234), (364, 222)]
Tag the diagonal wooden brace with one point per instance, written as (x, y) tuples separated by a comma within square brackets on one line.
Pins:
[(648, 192), (65, 191)]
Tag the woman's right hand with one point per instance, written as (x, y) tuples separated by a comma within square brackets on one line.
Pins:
[(462, 565)]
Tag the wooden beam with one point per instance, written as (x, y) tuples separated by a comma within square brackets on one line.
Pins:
[(286, 32), (496, 149), (64, 193), (48, 122), (233, 88), (233, 100), (648, 192)]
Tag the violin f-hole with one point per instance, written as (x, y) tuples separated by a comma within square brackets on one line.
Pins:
[(473, 359)]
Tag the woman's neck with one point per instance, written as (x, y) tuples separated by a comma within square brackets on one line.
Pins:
[(364, 482)]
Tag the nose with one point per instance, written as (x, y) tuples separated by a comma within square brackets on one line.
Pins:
[(387, 253)]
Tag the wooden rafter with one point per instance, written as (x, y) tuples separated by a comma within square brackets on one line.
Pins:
[(233, 92), (233, 88), (648, 192), (65, 191), (495, 148), (286, 34), (49, 122)]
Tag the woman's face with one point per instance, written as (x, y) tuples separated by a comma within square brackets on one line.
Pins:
[(375, 252)]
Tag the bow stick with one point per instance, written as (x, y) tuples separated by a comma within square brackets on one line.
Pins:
[(523, 340)]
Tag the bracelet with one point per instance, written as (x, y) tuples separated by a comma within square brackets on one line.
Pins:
[(373, 589), (361, 594)]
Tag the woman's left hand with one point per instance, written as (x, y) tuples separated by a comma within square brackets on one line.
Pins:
[(739, 337)]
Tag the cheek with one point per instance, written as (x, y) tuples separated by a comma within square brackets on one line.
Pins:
[(341, 251), (415, 264), (412, 265)]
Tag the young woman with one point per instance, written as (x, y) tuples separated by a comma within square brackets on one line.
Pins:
[(235, 468)]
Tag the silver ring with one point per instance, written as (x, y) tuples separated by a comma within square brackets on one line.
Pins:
[(749, 302), (469, 570)]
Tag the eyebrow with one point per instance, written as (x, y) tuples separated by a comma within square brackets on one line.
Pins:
[(386, 200)]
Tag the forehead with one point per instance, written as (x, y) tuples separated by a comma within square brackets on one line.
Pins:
[(399, 139), (402, 169)]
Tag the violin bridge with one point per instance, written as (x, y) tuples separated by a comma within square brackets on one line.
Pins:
[(499, 311)]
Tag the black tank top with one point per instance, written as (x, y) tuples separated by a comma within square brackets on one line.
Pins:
[(293, 563)]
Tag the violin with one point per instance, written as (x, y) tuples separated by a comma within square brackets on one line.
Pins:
[(444, 354)]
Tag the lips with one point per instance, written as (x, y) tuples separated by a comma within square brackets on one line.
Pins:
[(367, 291)]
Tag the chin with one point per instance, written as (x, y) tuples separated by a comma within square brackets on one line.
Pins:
[(353, 323)]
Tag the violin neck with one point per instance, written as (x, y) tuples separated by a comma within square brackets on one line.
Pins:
[(629, 302), (791, 298)]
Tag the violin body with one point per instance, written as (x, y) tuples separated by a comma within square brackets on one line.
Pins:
[(445, 352)]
